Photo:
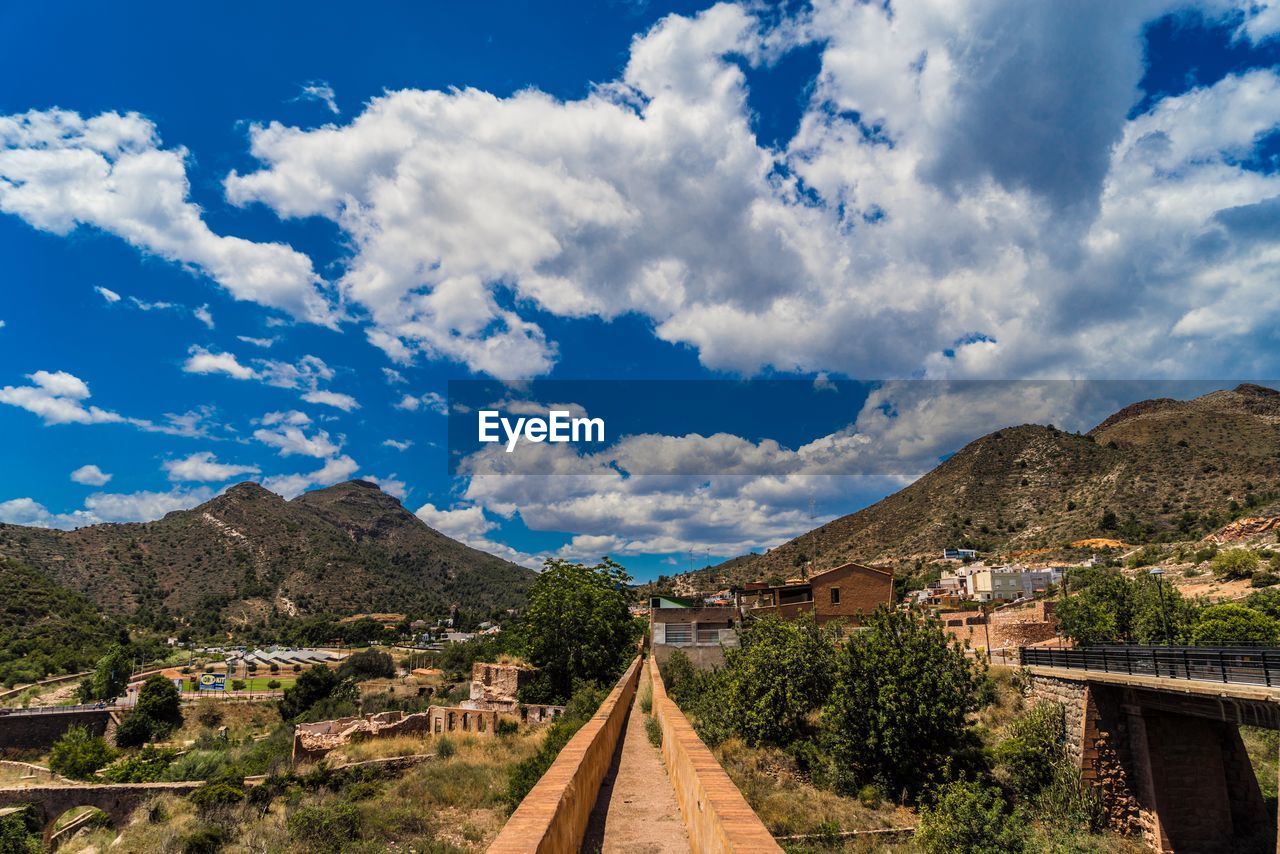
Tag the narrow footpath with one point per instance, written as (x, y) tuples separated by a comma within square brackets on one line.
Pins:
[(636, 810)]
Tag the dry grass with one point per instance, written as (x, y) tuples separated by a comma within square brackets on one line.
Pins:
[(788, 804)]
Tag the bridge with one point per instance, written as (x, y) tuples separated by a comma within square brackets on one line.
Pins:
[(117, 800), (1156, 730), (39, 728)]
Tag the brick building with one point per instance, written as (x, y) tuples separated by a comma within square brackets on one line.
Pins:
[(701, 631), (1006, 628), (847, 593)]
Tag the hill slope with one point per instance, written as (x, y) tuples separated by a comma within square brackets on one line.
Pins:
[(1161, 468), (345, 549), (46, 629)]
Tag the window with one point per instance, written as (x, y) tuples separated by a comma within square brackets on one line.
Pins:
[(679, 633), (835, 595)]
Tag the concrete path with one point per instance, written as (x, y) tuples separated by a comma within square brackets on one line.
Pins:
[(636, 811)]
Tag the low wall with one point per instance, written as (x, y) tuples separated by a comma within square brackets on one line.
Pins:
[(553, 816), (39, 730), (716, 815)]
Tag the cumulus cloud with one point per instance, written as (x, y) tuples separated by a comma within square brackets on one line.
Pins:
[(29, 512), (333, 471), (345, 402), (204, 467), (286, 432), (398, 444), (90, 475), (203, 361), (59, 170), (431, 402), (58, 398), (203, 315), (970, 162), (469, 525), (103, 507), (390, 484)]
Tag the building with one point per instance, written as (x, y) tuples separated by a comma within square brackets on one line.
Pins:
[(991, 584), (701, 631), (847, 593), (1005, 628), (959, 554)]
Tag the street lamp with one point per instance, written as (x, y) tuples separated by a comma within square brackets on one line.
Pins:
[(1158, 575)]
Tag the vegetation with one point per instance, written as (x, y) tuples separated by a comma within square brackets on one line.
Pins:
[(576, 627), (319, 693), (1230, 624), (77, 754), (581, 706), (971, 817), (157, 713), (45, 629), (1234, 563), (1106, 607)]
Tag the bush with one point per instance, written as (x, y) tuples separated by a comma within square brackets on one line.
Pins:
[(369, 664), (208, 714), (273, 684), (653, 729), (1234, 563), (896, 717), (317, 684), (1230, 624), (135, 730), (146, 766), (20, 833), (1264, 578), (160, 701), (445, 747), (506, 726), (238, 684), (212, 796), (327, 827), (77, 754), (523, 776), (972, 818), (206, 839), (1034, 749)]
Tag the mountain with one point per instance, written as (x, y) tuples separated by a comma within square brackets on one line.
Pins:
[(46, 629), (1159, 469), (344, 549)]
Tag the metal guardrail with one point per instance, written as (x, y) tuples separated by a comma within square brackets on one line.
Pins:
[(54, 710), (1240, 665)]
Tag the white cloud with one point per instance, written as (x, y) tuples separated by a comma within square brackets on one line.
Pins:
[(90, 475), (917, 204), (257, 342), (203, 361), (431, 401), (345, 402), (393, 376), (107, 294), (284, 432), (204, 467), (29, 512), (391, 485), (58, 398), (318, 90), (59, 170), (202, 314), (333, 471), (469, 525), (398, 444), (143, 506)]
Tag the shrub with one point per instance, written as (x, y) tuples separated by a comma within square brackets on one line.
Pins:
[(1234, 563), (77, 754), (1230, 624), (646, 698), (206, 839), (369, 664), (445, 747), (135, 730), (973, 818), (870, 796), (317, 684), (679, 675), (212, 796), (1264, 578), (274, 667), (273, 684), (325, 827), (653, 729), (238, 684), (208, 714), (146, 766), (1034, 749), (506, 726), (20, 833), (160, 701), (896, 716)]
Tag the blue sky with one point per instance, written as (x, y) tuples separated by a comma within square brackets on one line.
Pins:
[(259, 243)]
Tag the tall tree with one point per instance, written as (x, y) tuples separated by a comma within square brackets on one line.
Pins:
[(896, 717), (576, 627)]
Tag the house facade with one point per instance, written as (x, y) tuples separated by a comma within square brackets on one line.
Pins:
[(850, 593)]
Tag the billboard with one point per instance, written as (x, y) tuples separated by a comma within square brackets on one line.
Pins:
[(213, 681)]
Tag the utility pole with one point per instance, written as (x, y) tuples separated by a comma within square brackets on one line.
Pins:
[(1158, 575)]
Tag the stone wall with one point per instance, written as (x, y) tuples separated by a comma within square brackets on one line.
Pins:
[(315, 740), (553, 816), (1008, 628), (20, 732), (498, 683), (716, 815)]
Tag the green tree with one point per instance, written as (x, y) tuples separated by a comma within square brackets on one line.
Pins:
[(369, 664), (1107, 608), (780, 674), (1234, 563), (110, 676), (896, 717), (1034, 747), (972, 818), (318, 683), (77, 754), (576, 627), (160, 701), (1231, 624)]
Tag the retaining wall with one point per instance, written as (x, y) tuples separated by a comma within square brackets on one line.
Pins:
[(716, 816), (553, 816), (38, 731)]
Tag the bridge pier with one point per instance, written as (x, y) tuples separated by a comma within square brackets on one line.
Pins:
[(1170, 765)]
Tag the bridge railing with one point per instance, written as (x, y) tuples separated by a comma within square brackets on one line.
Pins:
[(1235, 665)]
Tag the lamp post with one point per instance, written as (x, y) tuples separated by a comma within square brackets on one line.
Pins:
[(1158, 575)]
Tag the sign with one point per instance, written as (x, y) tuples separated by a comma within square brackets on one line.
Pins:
[(213, 681)]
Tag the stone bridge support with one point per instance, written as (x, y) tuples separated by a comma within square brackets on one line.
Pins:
[(118, 801), (1170, 767)]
